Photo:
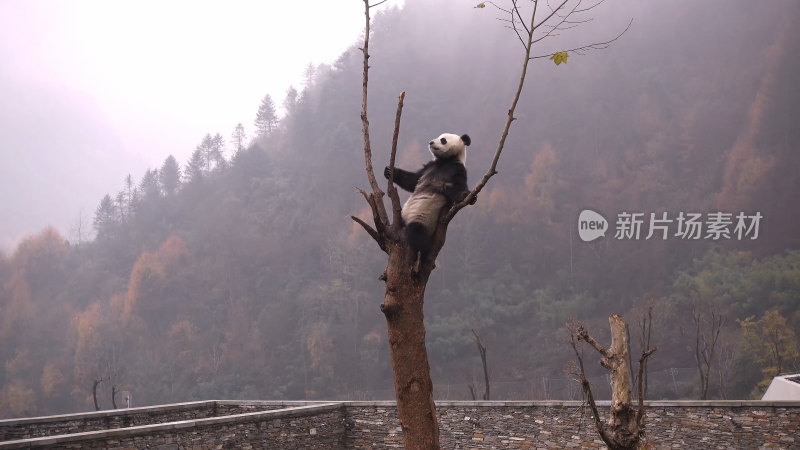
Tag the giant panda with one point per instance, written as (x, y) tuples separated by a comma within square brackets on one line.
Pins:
[(440, 183)]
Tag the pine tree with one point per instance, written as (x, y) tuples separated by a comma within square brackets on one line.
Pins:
[(194, 168), (308, 76), (170, 176), (217, 151), (105, 216), (267, 118), (290, 102), (131, 194), (205, 150), (211, 151), (238, 137), (121, 206), (149, 185)]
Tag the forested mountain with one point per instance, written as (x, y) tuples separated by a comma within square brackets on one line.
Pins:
[(237, 274)]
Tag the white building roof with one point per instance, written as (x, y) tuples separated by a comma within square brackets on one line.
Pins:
[(783, 387)]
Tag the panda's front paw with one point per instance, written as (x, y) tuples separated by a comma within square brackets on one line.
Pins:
[(474, 199), (387, 172)]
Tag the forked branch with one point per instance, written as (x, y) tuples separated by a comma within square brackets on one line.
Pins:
[(379, 232), (587, 389), (382, 232)]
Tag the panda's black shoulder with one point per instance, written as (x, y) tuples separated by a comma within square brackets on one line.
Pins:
[(450, 166), (444, 164), (446, 170)]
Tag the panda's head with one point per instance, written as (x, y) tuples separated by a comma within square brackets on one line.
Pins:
[(449, 146)]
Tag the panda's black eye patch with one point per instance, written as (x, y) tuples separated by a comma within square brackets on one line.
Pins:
[(443, 141)]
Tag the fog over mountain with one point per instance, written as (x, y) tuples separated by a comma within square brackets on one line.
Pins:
[(93, 91)]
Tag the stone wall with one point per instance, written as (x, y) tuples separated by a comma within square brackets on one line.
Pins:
[(557, 425), (319, 426), (102, 420), (14, 429), (463, 425)]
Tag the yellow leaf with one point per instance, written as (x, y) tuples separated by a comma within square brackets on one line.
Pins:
[(559, 57), (481, 5)]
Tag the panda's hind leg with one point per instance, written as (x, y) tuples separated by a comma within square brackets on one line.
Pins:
[(418, 238)]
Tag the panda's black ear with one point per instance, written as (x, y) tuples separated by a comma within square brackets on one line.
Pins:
[(466, 139)]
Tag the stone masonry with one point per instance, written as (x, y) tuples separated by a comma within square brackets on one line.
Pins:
[(373, 425), (558, 425)]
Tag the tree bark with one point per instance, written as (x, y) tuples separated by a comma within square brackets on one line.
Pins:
[(622, 418), (403, 308)]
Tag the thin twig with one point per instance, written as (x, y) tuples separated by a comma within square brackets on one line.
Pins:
[(515, 9), (595, 46), (588, 8), (495, 5), (554, 11), (521, 20), (553, 28)]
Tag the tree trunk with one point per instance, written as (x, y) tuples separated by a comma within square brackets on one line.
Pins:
[(625, 426), (622, 419), (482, 352), (403, 308)]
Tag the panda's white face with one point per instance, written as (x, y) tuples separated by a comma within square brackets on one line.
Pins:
[(450, 145)]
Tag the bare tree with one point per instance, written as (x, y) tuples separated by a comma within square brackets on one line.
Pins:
[(625, 426), (471, 387), (727, 357), (114, 396), (482, 351), (645, 328), (407, 273), (78, 231), (705, 343), (96, 383)]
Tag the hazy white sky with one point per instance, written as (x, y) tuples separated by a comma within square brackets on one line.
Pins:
[(93, 90)]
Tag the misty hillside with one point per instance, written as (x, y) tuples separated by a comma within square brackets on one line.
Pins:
[(238, 274)]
